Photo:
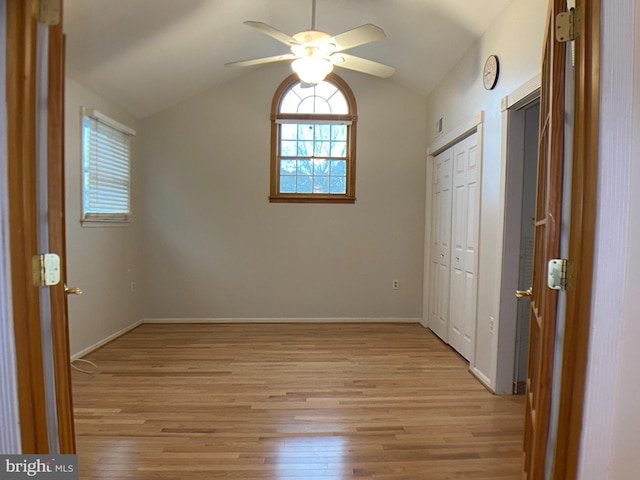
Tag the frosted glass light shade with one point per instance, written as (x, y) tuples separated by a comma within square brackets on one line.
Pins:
[(312, 70)]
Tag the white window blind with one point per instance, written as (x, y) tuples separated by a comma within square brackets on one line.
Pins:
[(105, 169)]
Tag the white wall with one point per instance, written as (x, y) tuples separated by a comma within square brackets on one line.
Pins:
[(611, 421), (216, 248), (102, 261), (625, 461), (516, 37), (10, 419)]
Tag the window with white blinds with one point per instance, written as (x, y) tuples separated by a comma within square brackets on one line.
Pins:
[(105, 168)]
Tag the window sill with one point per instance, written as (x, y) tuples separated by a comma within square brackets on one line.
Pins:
[(104, 223), (298, 198)]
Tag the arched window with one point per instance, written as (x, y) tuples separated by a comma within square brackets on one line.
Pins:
[(313, 142)]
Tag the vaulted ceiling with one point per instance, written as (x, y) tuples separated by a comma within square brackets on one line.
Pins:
[(146, 55)]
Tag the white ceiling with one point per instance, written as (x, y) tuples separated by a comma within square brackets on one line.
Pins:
[(146, 55)]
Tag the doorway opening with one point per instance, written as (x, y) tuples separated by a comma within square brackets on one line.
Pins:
[(523, 125)]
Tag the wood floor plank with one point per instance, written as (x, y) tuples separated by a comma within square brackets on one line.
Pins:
[(290, 401)]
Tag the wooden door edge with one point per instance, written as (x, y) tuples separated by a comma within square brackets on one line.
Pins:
[(21, 43), (581, 243), (56, 189)]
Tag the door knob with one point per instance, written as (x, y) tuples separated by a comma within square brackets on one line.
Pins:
[(72, 290), (523, 293)]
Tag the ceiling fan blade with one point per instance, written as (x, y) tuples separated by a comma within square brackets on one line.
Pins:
[(362, 65), (272, 32), (358, 36), (260, 61)]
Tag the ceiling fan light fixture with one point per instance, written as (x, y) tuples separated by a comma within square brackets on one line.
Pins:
[(312, 70), (314, 53)]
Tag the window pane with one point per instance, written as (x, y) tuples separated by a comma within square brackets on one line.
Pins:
[(305, 131), (339, 132), (339, 149), (321, 98), (305, 149), (288, 148), (298, 90), (325, 90), (288, 131), (305, 167), (320, 167), (339, 167), (323, 132), (338, 185), (321, 184), (288, 167), (314, 104), (290, 102), (305, 184), (322, 149), (338, 104), (287, 184)]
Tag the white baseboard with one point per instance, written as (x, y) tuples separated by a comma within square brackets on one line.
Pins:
[(486, 381), (95, 346), (283, 320)]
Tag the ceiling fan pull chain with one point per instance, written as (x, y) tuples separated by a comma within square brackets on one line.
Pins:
[(313, 14)]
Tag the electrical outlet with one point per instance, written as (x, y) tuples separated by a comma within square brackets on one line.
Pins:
[(395, 284), (133, 287), (491, 321)]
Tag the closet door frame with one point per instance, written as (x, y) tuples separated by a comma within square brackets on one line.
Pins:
[(442, 143)]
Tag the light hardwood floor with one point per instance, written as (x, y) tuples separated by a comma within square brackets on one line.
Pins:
[(290, 402)]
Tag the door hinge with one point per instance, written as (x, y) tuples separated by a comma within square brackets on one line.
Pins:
[(568, 25), (46, 11), (46, 269), (560, 274)]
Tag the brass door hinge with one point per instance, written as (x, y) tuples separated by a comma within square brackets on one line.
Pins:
[(560, 274), (46, 11), (568, 25), (46, 269)]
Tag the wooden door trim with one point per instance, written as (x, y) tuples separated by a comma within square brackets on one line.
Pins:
[(21, 66), (581, 242), (57, 243)]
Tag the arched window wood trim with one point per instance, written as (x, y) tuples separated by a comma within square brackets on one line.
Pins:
[(277, 119)]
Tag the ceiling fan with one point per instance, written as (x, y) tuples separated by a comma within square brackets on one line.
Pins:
[(315, 53)]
